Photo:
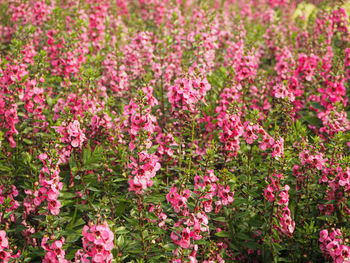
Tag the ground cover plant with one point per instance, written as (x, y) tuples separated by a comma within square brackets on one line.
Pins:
[(174, 131)]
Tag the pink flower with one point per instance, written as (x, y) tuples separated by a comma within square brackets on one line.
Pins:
[(54, 207), (268, 192), (333, 248), (3, 240), (323, 235), (97, 243), (54, 251), (278, 149), (225, 195), (75, 133), (43, 157), (71, 134), (343, 254), (185, 238), (284, 196), (5, 256), (178, 201), (286, 222)]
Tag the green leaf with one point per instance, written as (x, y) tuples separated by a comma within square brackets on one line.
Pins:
[(72, 236), (27, 141), (121, 230), (120, 208), (222, 234), (242, 236), (324, 217), (220, 219), (94, 189), (120, 241)]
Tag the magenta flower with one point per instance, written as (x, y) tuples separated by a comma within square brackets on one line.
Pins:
[(185, 238), (3, 240)]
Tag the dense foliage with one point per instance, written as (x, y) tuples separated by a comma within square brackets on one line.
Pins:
[(174, 131)]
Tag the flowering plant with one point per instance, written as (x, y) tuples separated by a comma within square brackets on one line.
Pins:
[(174, 131)]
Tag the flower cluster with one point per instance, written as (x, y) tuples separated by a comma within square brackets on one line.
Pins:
[(187, 92), (71, 134), (97, 243), (273, 193), (193, 226), (178, 200), (5, 252), (174, 131), (54, 251), (143, 170), (332, 245), (49, 187)]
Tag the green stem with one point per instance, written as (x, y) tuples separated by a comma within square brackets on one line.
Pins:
[(140, 201)]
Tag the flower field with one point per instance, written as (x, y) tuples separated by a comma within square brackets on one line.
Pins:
[(151, 131)]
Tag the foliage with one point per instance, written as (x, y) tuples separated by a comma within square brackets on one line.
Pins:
[(174, 131)]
